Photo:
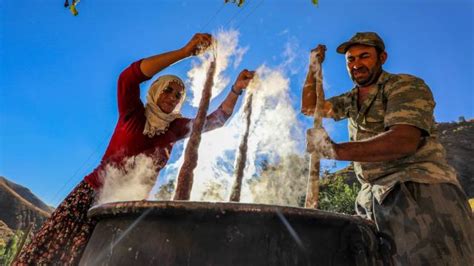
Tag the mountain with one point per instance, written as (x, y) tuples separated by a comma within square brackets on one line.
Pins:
[(19, 207), (458, 140)]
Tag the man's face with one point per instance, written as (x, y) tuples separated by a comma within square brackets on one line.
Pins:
[(170, 97), (363, 64)]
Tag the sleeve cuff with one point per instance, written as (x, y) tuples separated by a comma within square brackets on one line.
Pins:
[(138, 72), (426, 129)]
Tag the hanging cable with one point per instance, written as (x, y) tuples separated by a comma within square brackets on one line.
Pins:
[(248, 14), (68, 181), (212, 17), (235, 15)]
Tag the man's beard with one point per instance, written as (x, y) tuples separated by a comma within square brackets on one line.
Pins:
[(371, 78)]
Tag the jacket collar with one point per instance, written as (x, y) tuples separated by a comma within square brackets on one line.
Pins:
[(383, 78)]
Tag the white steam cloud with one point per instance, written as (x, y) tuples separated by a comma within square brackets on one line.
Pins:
[(228, 52), (275, 135), (131, 181), (292, 56), (276, 169)]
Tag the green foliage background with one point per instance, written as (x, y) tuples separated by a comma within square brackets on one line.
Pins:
[(337, 196), (8, 252)]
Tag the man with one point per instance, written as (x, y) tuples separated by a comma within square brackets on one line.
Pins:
[(408, 189)]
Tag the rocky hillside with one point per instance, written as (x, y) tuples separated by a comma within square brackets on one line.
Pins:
[(458, 140), (19, 206)]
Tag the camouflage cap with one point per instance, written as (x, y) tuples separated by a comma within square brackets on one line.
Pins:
[(365, 38)]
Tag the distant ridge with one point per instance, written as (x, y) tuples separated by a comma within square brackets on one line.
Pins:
[(19, 206), (458, 140)]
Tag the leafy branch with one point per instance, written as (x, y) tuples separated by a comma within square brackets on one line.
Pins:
[(72, 7)]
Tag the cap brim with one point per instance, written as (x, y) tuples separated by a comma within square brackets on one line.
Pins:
[(342, 49)]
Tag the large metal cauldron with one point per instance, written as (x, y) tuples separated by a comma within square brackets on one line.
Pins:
[(202, 233)]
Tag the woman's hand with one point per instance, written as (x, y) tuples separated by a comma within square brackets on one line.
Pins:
[(154, 64), (243, 80), (198, 44), (240, 84)]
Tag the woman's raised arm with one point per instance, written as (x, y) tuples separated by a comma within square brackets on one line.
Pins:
[(154, 64)]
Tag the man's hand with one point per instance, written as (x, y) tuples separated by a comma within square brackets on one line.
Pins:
[(198, 44), (309, 97), (319, 142), (243, 80), (319, 54)]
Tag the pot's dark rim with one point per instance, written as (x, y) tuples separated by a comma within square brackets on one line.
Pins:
[(167, 208)]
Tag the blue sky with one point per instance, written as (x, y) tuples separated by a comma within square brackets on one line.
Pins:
[(58, 72)]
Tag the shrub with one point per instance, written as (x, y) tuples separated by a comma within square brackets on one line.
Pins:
[(337, 196), (8, 252)]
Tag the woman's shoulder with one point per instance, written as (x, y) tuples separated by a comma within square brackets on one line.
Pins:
[(135, 115)]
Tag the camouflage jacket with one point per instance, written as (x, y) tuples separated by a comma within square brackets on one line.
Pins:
[(394, 99)]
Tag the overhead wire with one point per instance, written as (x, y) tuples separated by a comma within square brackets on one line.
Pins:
[(236, 14), (251, 11), (212, 17), (79, 169)]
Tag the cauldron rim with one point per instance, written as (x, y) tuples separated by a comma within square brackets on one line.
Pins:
[(167, 208)]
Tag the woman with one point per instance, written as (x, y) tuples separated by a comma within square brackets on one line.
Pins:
[(149, 130)]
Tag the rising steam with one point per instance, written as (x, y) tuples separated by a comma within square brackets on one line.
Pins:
[(276, 167), (132, 181), (228, 51), (275, 135)]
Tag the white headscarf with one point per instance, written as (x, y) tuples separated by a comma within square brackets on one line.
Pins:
[(157, 121)]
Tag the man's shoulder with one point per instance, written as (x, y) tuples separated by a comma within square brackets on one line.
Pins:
[(404, 82), (401, 78)]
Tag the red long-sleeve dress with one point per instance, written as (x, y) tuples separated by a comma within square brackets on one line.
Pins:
[(128, 139), (63, 237)]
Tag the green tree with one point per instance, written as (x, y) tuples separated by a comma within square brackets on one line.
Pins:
[(337, 196), (7, 254), (165, 192)]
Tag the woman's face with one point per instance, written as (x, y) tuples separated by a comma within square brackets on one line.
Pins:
[(170, 97)]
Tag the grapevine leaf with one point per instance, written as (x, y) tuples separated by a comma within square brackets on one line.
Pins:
[(73, 10)]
